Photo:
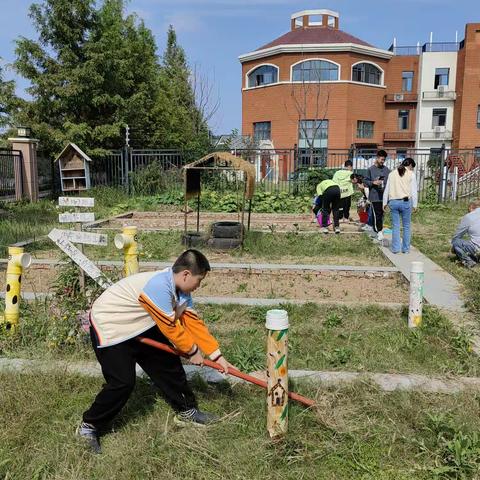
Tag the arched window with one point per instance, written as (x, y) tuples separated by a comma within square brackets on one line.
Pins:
[(367, 73), (263, 75), (315, 71)]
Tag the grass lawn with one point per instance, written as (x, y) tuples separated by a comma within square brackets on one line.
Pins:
[(371, 339), (432, 232), (355, 433)]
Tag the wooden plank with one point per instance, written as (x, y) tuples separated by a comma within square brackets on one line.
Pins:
[(86, 238), (79, 258), (76, 217), (76, 201)]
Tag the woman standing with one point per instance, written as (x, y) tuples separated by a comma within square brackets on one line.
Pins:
[(400, 196)]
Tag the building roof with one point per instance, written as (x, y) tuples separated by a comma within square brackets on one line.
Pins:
[(314, 35), (72, 146)]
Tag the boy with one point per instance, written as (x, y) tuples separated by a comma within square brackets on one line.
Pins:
[(156, 305), (468, 250), (344, 179)]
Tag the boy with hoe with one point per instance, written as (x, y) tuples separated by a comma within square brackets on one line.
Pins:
[(156, 305)]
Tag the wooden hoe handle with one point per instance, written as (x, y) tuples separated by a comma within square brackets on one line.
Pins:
[(231, 371)]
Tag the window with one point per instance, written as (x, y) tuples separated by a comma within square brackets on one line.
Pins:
[(315, 20), (439, 117), (365, 129), (478, 116), (312, 142), (366, 73), (315, 71), (407, 81), (331, 21), (299, 22), (401, 154), (441, 77), (476, 154), (403, 119), (262, 131), (263, 75)]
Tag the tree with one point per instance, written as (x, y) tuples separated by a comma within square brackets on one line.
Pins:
[(9, 102), (92, 71)]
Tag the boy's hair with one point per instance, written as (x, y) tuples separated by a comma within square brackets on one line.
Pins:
[(357, 177), (475, 204), (348, 163), (192, 260), (382, 153)]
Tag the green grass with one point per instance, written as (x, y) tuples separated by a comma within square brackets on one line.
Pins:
[(433, 228), (371, 339), (355, 433)]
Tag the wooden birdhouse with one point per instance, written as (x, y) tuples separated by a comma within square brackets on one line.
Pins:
[(74, 169)]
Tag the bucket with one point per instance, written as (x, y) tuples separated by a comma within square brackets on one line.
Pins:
[(363, 216), (276, 320), (319, 219)]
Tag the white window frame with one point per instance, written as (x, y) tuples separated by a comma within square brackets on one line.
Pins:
[(262, 65), (382, 76), (319, 81)]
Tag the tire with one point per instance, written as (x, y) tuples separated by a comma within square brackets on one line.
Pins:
[(227, 230), (193, 239), (224, 243)]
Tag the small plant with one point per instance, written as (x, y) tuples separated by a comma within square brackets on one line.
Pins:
[(247, 356), (242, 287), (333, 320)]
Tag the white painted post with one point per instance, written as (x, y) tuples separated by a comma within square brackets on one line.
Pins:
[(416, 295), (277, 372)]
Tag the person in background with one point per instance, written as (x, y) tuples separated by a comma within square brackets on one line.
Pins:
[(344, 180), (330, 193), (400, 196), (468, 251), (376, 179)]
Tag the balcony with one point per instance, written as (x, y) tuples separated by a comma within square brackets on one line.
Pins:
[(402, 136), (439, 95), (426, 47), (436, 135), (401, 98)]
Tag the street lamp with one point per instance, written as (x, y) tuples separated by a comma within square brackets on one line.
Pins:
[(24, 132)]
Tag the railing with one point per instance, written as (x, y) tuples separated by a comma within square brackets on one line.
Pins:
[(407, 51), (440, 135), (402, 136), (401, 97), (426, 47), (440, 95), (9, 162)]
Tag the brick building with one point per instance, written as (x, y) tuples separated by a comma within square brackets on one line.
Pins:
[(321, 88)]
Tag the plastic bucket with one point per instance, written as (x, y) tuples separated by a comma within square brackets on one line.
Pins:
[(276, 320), (363, 216)]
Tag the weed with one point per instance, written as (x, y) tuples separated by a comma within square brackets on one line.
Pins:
[(242, 287), (332, 320)]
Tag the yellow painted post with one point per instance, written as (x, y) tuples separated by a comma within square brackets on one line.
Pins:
[(277, 372), (127, 240), (17, 261)]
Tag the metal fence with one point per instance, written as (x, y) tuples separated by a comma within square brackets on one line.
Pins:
[(9, 161)]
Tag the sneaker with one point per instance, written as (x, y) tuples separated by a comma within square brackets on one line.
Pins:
[(469, 264), (367, 228), (380, 236), (194, 417), (89, 433), (337, 230), (325, 230)]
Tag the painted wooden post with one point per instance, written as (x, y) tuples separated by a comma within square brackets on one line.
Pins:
[(277, 372), (127, 240), (416, 295), (17, 261)]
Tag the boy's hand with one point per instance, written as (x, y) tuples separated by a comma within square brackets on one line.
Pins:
[(197, 358), (225, 365)]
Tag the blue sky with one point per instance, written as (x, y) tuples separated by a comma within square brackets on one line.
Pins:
[(215, 32)]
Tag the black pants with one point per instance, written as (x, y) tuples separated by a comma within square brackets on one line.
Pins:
[(118, 368), (377, 216), (346, 204), (318, 206), (331, 202)]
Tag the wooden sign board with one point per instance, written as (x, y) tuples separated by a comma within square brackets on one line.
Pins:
[(76, 217), (79, 258), (86, 238), (76, 201)]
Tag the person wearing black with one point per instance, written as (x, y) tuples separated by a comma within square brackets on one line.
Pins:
[(376, 179), (330, 193)]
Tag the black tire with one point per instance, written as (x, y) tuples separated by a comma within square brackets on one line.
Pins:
[(193, 239), (224, 243), (227, 230)]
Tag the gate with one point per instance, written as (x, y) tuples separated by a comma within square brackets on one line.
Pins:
[(10, 174)]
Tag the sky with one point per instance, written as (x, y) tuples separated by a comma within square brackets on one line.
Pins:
[(215, 32)]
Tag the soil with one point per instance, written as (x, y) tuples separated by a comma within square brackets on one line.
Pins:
[(278, 222), (334, 286)]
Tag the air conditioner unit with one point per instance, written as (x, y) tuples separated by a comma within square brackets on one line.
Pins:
[(398, 97)]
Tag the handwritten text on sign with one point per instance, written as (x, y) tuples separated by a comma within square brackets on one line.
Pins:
[(78, 257), (76, 217), (86, 238), (76, 202)]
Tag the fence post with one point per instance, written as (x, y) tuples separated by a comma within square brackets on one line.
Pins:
[(29, 165), (416, 295), (126, 168)]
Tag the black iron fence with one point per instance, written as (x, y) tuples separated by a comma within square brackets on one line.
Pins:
[(9, 161)]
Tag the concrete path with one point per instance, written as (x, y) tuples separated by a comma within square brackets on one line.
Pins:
[(440, 288), (388, 382), (237, 266)]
